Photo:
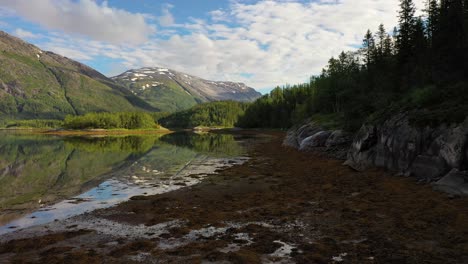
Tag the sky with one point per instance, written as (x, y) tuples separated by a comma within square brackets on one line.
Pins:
[(261, 43)]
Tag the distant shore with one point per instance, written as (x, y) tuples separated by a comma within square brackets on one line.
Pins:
[(71, 132)]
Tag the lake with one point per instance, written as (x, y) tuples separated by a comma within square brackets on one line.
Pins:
[(45, 178)]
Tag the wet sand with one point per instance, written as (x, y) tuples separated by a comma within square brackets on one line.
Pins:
[(281, 206)]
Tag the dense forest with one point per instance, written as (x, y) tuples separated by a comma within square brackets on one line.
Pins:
[(213, 114), (138, 120), (421, 67)]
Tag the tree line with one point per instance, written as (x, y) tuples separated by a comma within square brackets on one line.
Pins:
[(422, 64), (124, 120), (212, 114)]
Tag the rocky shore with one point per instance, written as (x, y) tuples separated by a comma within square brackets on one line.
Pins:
[(436, 155), (280, 206)]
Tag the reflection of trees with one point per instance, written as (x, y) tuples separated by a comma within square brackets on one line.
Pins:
[(48, 168), (136, 144), (209, 144)]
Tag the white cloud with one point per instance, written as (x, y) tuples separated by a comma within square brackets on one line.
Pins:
[(84, 17), (21, 33), (166, 19), (275, 42)]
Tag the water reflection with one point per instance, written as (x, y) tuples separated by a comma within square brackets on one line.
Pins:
[(56, 177)]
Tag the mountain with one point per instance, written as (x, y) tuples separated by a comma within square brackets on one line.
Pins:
[(41, 84), (171, 90)]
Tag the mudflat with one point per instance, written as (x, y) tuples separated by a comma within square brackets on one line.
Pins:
[(280, 206)]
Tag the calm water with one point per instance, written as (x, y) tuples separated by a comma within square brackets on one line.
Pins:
[(43, 178)]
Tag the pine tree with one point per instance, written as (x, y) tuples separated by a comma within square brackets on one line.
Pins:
[(433, 14), (406, 29), (368, 48), (381, 36)]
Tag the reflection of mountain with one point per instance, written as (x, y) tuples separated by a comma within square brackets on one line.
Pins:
[(35, 170), (44, 169)]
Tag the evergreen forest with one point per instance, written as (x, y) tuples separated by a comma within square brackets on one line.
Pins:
[(420, 67)]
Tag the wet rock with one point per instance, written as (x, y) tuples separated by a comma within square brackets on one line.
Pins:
[(455, 183), (452, 145), (297, 134), (428, 167), (361, 155), (397, 145), (316, 140), (337, 138)]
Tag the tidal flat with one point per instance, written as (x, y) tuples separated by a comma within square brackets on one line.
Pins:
[(278, 205)]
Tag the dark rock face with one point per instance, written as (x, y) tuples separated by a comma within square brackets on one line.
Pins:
[(455, 182), (425, 153), (338, 138)]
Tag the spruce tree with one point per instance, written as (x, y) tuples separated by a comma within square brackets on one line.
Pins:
[(368, 48), (432, 13), (406, 29)]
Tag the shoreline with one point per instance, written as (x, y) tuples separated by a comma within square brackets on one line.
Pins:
[(79, 132), (280, 205)]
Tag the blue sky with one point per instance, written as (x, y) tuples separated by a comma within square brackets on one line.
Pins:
[(262, 43)]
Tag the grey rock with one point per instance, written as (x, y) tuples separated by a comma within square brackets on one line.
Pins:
[(297, 134), (428, 167), (361, 155), (316, 140), (452, 145), (455, 183), (338, 137), (424, 152)]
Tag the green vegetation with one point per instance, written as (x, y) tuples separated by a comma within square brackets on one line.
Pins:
[(422, 69), (111, 121), (214, 114), (167, 96), (43, 85), (129, 144), (37, 123)]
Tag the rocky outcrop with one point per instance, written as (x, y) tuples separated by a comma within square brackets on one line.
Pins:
[(338, 138), (430, 154), (310, 136), (455, 182), (316, 140), (423, 152), (297, 134)]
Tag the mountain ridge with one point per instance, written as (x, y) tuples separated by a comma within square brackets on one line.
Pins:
[(41, 84), (174, 90)]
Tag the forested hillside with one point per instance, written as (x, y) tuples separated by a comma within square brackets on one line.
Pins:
[(214, 114), (39, 84), (421, 67)]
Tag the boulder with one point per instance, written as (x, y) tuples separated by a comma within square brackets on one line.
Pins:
[(316, 140), (361, 154), (428, 167), (455, 182), (338, 138), (297, 134), (451, 146)]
